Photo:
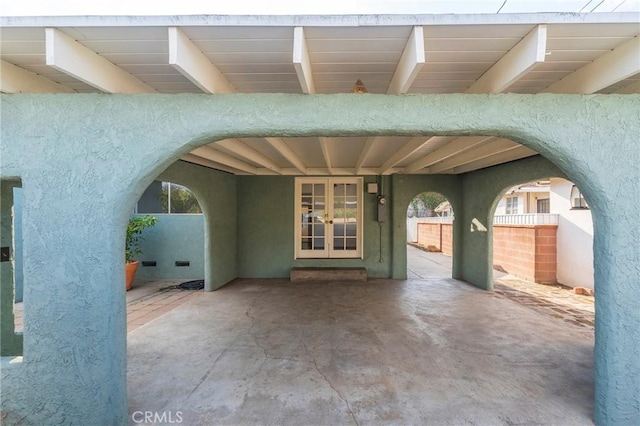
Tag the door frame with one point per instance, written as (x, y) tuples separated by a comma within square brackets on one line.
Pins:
[(328, 252)]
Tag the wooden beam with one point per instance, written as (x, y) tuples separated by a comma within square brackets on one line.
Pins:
[(191, 158), (366, 149), (513, 154), (241, 149), (629, 88), (476, 153), (324, 145), (70, 57), (187, 58), (301, 61), (14, 79), (288, 154), (410, 64), (455, 147), (211, 154), (610, 68), (522, 58), (407, 149)]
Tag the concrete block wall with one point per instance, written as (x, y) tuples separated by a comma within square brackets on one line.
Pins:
[(438, 235), (447, 238), (546, 254), (528, 252), (430, 234)]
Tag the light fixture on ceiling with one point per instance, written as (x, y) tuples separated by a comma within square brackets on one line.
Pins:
[(359, 88)]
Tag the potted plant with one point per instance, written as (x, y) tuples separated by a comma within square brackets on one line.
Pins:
[(132, 248)]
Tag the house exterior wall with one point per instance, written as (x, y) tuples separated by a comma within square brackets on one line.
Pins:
[(266, 231), (175, 237), (216, 193), (527, 202), (575, 238), (74, 370)]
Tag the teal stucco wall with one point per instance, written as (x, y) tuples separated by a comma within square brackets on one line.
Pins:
[(481, 191), (266, 231), (175, 237), (217, 195), (85, 159)]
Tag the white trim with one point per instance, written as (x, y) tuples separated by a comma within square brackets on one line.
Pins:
[(329, 252)]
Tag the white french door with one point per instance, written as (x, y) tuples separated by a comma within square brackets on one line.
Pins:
[(328, 217)]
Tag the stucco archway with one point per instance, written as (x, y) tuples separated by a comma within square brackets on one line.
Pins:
[(592, 139)]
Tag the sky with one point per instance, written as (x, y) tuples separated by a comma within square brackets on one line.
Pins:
[(304, 7)]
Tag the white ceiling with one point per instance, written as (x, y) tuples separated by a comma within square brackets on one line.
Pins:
[(575, 54)]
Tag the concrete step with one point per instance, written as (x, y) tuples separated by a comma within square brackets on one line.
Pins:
[(327, 274)]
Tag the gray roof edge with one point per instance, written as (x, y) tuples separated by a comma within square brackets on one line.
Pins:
[(321, 20)]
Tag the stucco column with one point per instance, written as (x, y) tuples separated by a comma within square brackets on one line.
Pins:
[(74, 365), (617, 336), (474, 229)]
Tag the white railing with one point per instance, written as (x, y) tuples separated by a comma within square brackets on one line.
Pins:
[(504, 219), (412, 225), (526, 219), (435, 219)]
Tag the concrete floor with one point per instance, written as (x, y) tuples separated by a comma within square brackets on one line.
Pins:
[(428, 350)]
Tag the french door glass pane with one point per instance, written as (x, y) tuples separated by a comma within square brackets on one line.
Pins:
[(345, 216), (313, 211)]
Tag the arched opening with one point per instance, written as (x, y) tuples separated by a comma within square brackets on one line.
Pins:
[(171, 253), (552, 142), (429, 236), (543, 249)]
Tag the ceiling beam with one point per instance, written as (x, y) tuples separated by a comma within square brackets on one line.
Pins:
[(410, 64), (629, 88), (241, 149), (364, 153), (280, 146), (187, 58), (323, 171), (14, 79), (70, 57), (610, 68), (191, 158), (513, 154), (324, 145), (211, 154), (301, 61), (409, 148), (517, 62), (476, 153), (449, 150)]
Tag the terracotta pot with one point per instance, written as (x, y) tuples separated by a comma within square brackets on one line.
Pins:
[(131, 269)]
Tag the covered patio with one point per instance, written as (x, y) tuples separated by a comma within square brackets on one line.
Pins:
[(428, 350), (96, 108)]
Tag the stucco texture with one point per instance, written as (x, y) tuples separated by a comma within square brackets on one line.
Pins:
[(85, 159), (216, 194)]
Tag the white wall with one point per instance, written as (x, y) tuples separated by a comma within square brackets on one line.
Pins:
[(574, 238)]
